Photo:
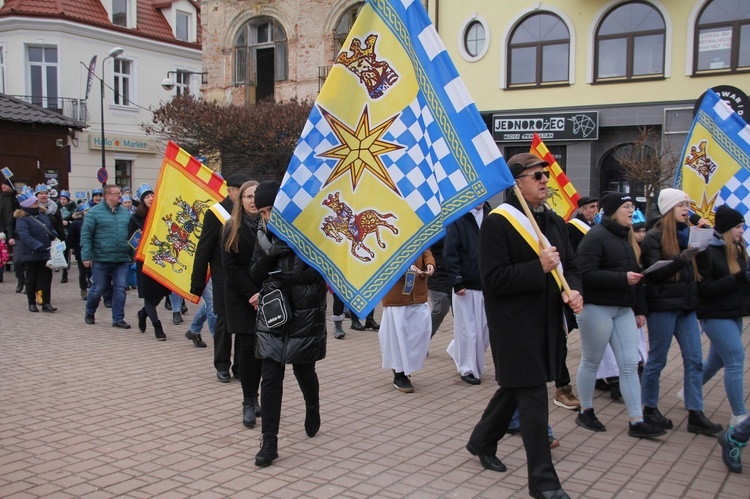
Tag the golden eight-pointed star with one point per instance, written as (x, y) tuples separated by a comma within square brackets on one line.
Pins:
[(360, 149)]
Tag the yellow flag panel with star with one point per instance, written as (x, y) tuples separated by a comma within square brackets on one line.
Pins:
[(715, 161), (393, 151)]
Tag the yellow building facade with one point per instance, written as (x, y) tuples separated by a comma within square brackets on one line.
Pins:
[(614, 65)]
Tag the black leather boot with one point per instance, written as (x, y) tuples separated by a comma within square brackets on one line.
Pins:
[(370, 322), (46, 307), (312, 419), (248, 413), (64, 276), (33, 307), (19, 286), (256, 405), (699, 423), (159, 331), (142, 316), (652, 416), (268, 450), (357, 325)]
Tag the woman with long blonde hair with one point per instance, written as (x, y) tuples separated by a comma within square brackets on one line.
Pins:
[(672, 297), (237, 246), (724, 300)]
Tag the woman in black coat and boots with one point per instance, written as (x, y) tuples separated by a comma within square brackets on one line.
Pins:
[(35, 233), (300, 341), (149, 289), (237, 247)]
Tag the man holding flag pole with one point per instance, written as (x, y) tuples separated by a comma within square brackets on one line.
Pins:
[(528, 272)]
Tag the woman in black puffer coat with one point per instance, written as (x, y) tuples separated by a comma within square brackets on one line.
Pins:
[(301, 341)]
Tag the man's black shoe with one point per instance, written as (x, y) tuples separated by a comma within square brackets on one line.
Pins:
[(652, 416), (19, 287), (177, 318), (196, 339), (168, 304), (491, 463), (33, 307), (223, 376), (551, 494), (121, 325), (88, 319), (48, 308), (357, 325), (471, 379), (108, 304)]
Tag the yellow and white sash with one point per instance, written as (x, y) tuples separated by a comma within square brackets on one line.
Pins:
[(580, 225), (221, 213), (523, 226)]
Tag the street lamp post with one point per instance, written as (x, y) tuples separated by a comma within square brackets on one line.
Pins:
[(113, 54)]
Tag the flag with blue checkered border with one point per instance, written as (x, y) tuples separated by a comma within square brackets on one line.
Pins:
[(393, 151), (715, 167)]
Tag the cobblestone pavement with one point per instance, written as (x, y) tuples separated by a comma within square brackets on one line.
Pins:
[(94, 411)]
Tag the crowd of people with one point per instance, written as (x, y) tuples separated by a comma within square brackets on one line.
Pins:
[(517, 278)]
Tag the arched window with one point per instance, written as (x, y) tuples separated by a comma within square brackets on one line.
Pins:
[(344, 26), (538, 51), (630, 43), (260, 56), (722, 37)]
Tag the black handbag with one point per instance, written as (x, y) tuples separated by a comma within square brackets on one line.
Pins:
[(275, 309)]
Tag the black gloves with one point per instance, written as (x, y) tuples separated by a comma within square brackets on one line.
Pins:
[(687, 254), (279, 248)]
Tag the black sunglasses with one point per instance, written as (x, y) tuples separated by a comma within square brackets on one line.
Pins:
[(537, 175)]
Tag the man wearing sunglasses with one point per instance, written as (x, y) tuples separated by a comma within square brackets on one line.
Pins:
[(524, 306)]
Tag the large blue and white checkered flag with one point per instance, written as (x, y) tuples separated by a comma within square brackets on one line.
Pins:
[(393, 151)]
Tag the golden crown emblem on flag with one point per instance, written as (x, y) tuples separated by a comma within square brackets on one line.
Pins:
[(376, 75), (699, 161)]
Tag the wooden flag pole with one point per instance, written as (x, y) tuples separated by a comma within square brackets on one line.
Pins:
[(539, 235)]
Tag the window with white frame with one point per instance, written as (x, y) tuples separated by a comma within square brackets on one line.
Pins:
[(630, 43), (474, 38), (539, 51), (43, 76), (123, 81), (182, 26), (722, 37), (120, 12), (182, 82)]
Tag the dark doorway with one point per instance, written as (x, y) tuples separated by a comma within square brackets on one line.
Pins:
[(265, 72)]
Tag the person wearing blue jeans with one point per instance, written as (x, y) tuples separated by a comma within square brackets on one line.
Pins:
[(105, 249), (732, 441), (205, 313), (615, 309), (672, 297), (724, 300), (102, 273), (515, 427)]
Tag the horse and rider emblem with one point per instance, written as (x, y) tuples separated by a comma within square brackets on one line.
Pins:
[(182, 225), (355, 227)]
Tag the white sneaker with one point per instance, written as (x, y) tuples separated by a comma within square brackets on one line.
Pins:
[(681, 395), (735, 420)]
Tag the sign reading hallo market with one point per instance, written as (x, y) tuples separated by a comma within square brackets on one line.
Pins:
[(124, 143), (581, 125)]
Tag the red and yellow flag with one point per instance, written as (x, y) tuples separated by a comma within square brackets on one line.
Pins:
[(185, 190), (562, 197)]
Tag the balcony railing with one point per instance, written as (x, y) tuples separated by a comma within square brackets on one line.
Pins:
[(70, 108)]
